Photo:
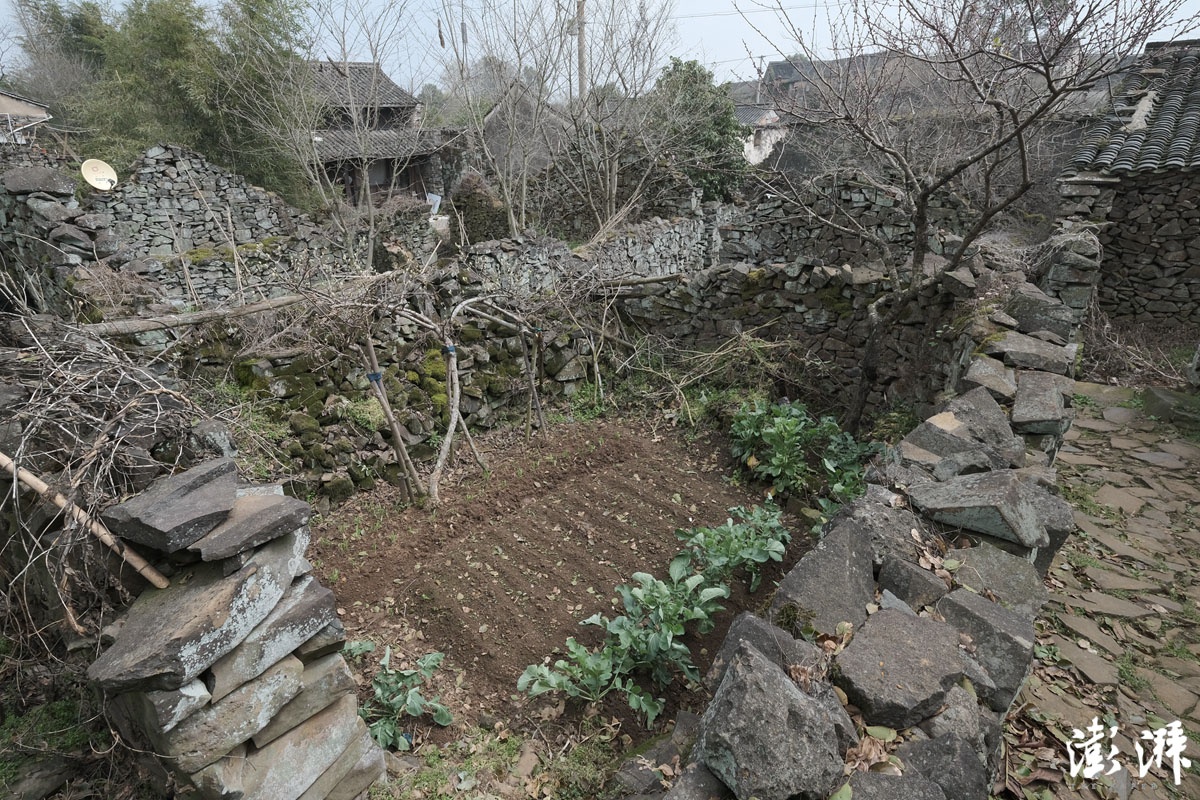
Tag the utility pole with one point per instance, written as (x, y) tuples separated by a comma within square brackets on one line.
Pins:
[(582, 47)]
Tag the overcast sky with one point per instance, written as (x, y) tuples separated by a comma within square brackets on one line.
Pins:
[(730, 37), (719, 33)]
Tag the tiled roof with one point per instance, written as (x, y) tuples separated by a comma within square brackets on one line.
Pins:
[(336, 145), (354, 84), (753, 116), (1155, 121)]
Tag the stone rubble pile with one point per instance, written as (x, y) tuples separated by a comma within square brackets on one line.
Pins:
[(233, 674)]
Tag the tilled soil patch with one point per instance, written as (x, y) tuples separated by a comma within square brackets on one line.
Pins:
[(504, 571)]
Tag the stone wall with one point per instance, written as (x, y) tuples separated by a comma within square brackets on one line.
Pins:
[(824, 309), (776, 229), (45, 230), (190, 233), (1142, 263), (947, 549), (1073, 269), (1151, 265)]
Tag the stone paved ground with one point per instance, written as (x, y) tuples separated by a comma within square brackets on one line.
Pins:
[(1120, 636)]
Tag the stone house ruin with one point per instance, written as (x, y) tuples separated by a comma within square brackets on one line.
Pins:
[(370, 141), (1134, 175)]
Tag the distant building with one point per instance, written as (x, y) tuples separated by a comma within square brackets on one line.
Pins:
[(1137, 172), (19, 116), (371, 142)]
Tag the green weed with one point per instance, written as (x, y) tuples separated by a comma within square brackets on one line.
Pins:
[(1127, 673), (397, 693)]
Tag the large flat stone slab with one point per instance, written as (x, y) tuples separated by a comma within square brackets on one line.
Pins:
[(991, 374), (1036, 311), (764, 737), (915, 586), (369, 769), (986, 422), (950, 762), (288, 766), (1039, 407), (163, 710), (27, 180), (960, 717), (1003, 641), (1024, 352), (329, 639), (893, 681), (360, 747), (178, 509), (214, 730), (172, 635), (324, 681), (1179, 408), (804, 598), (305, 608), (883, 518), (770, 640), (992, 503), (1014, 581), (253, 520)]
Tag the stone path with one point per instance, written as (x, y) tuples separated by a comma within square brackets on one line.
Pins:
[(1120, 636)]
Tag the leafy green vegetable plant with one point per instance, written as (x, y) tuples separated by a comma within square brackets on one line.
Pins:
[(396, 693), (656, 615), (798, 454), (590, 675), (756, 537), (647, 637)]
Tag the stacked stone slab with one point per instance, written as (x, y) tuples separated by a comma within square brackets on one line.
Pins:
[(233, 675), (939, 659)]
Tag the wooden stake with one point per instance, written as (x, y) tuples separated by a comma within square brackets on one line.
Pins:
[(79, 515)]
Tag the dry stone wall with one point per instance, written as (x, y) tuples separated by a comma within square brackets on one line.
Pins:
[(776, 229), (1139, 255), (973, 483), (1151, 265), (44, 228)]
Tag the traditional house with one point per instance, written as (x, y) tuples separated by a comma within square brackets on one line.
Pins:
[(1136, 177), (19, 116), (371, 141)]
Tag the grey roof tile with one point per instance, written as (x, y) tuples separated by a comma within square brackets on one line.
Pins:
[(1170, 138), (353, 84)]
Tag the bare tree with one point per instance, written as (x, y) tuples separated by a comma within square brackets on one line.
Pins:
[(940, 94), (937, 95), (518, 68)]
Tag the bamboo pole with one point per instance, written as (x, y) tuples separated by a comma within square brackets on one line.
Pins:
[(79, 515)]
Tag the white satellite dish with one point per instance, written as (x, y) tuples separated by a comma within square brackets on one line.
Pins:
[(99, 174)]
